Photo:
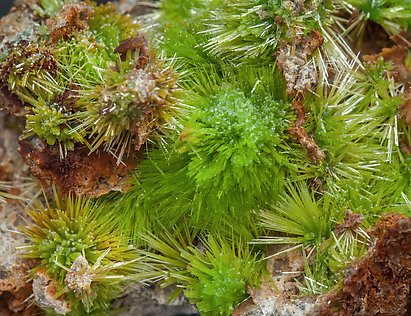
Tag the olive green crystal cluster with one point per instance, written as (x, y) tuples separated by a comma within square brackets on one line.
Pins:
[(89, 78), (87, 260), (258, 125)]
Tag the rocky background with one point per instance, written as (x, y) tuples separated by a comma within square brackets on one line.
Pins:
[(381, 279)]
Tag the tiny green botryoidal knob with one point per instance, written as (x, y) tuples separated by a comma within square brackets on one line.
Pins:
[(52, 123)]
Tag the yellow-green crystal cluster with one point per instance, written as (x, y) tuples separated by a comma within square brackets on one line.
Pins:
[(76, 60)]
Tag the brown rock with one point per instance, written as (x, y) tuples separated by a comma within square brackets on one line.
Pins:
[(292, 61), (14, 286), (11, 103), (397, 55), (297, 130), (380, 283), (350, 222), (140, 43), (73, 16), (79, 172)]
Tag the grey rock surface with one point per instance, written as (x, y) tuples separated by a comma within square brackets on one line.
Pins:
[(14, 288), (152, 301)]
